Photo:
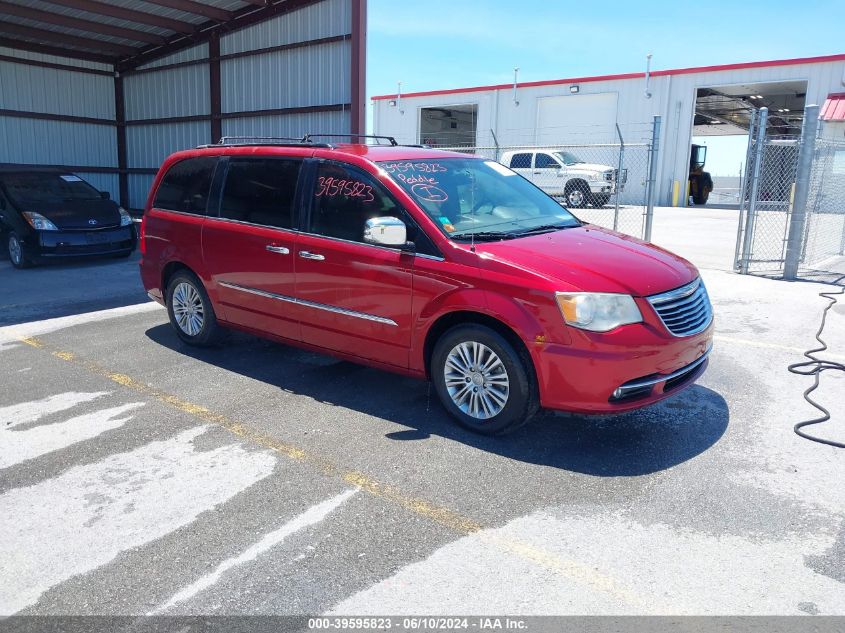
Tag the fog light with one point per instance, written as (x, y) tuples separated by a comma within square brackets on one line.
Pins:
[(617, 393)]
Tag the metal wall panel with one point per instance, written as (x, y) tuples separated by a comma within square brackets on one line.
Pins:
[(149, 145), (139, 187), (316, 75), (324, 19), (289, 125), (57, 142), (168, 93), (187, 55), (55, 91)]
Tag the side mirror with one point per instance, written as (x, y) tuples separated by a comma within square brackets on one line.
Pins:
[(386, 231), (105, 195)]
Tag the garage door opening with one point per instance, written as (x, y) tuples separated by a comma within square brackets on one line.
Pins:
[(720, 135), (449, 126)]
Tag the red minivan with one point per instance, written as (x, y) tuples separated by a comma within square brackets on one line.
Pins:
[(435, 264)]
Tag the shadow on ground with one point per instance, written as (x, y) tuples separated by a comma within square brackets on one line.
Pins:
[(635, 443)]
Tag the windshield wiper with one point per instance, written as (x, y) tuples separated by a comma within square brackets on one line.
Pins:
[(482, 236), (545, 228)]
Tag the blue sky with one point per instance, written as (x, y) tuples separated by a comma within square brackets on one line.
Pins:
[(457, 43), (440, 44)]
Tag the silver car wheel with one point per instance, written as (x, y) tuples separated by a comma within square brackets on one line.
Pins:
[(187, 309), (476, 380), (15, 252), (576, 198)]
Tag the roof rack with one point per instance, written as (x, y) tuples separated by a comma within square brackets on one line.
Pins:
[(291, 141), (307, 138), (276, 141)]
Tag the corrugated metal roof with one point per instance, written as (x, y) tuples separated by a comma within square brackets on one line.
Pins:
[(113, 31), (833, 108)]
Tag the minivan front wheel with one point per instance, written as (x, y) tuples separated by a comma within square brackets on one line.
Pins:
[(190, 311), (482, 381), (16, 254)]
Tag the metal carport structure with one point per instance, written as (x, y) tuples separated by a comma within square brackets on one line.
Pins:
[(108, 89)]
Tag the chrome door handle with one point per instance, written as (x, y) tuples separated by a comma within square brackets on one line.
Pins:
[(314, 256), (281, 250)]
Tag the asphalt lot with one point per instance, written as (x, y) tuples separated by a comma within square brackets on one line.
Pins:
[(139, 476)]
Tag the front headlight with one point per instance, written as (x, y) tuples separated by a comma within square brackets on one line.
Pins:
[(39, 222), (597, 311), (125, 218)]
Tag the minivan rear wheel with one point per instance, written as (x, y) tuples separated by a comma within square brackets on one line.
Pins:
[(482, 380), (190, 311), (16, 254)]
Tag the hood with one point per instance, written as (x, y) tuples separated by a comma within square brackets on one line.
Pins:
[(593, 259), (79, 214), (588, 167)]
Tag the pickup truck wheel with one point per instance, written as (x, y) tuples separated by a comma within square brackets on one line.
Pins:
[(16, 254), (190, 311), (482, 381), (577, 194)]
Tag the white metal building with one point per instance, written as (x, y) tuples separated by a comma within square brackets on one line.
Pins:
[(109, 89), (712, 100)]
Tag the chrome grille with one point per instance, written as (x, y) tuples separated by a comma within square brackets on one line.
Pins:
[(684, 311)]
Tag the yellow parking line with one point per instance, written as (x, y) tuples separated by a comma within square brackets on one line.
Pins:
[(444, 516)]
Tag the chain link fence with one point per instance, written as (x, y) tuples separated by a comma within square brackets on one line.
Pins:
[(823, 240), (604, 184), (792, 214), (591, 170)]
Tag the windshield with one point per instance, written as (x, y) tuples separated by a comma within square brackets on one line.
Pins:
[(36, 187), (478, 199), (568, 158)]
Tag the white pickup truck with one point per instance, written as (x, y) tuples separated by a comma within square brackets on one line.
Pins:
[(564, 176)]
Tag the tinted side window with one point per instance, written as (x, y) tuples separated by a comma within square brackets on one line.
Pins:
[(185, 186), (521, 161), (261, 191), (344, 199), (545, 161)]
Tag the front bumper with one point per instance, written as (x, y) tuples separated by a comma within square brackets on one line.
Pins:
[(602, 187), (633, 367), (81, 243)]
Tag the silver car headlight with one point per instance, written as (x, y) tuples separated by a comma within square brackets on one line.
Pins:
[(597, 311), (39, 222), (125, 218)]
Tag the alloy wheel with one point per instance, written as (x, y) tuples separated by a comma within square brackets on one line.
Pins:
[(576, 198), (15, 252), (188, 309), (476, 380)]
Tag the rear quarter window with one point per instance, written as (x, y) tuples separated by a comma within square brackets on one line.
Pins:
[(520, 161), (186, 185)]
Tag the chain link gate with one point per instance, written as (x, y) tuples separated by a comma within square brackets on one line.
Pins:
[(766, 199), (792, 213)]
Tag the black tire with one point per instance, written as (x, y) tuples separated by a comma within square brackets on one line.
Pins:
[(208, 333), (576, 195), (522, 400), (16, 251), (599, 200)]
